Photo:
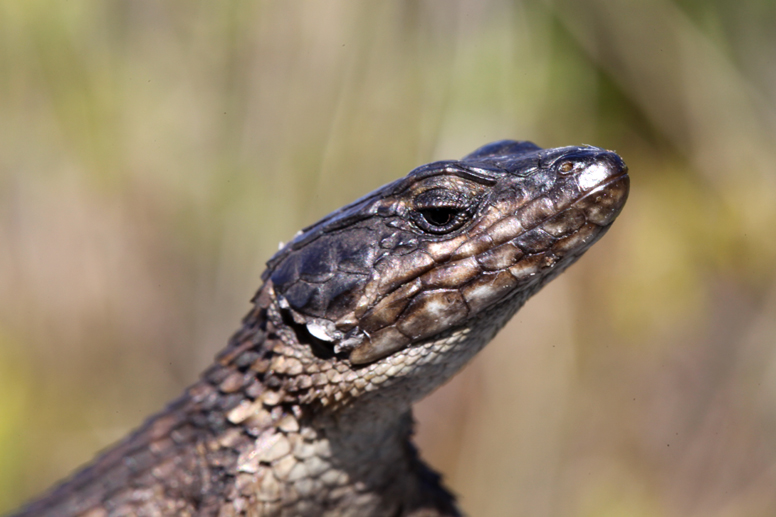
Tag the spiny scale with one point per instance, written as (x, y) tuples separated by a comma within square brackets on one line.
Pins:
[(307, 410)]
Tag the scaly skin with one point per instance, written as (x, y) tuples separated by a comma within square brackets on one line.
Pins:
[(307, 411)]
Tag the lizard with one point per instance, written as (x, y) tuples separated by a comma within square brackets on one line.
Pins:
[(307, 411)]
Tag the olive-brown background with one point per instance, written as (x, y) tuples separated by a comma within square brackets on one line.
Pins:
[(152, 155)]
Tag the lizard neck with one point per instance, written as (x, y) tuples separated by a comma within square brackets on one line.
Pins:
[(374, 466), (310, 430)]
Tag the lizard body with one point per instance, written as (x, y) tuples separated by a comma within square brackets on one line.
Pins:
[(307, 411)]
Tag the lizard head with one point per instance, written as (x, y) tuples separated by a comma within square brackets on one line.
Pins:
[(453, 248)]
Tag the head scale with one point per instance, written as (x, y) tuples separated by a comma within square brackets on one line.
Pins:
[(444, 245)]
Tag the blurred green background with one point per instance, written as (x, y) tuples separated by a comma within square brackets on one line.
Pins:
[(154, 153)]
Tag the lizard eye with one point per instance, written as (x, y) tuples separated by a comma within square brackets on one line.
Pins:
[(441, 211), (439, 217)]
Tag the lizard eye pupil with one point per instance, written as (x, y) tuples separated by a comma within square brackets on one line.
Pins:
[(439, 216), (439, 210)]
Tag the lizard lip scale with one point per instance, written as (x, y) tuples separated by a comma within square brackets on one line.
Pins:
[(307, 411)]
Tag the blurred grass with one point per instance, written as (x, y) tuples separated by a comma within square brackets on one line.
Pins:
[(153, 154)]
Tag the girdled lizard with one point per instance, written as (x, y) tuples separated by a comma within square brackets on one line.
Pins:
[(307, 412)]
